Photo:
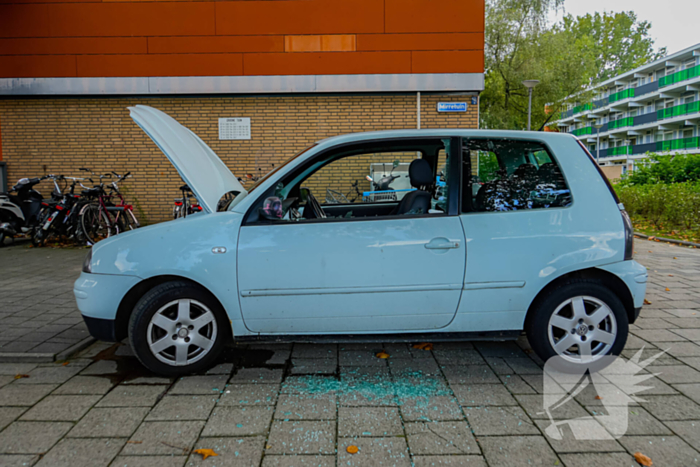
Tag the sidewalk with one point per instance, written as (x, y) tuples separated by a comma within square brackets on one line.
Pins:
[(39, 321), (476, 404)]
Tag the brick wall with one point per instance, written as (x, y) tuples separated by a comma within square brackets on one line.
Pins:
[(41, 136)]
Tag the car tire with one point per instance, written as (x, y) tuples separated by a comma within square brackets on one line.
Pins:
[(577, 306), (178, 328)]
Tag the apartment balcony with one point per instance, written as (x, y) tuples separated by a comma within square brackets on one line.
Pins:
[(583, 131), (620, 96), (678, 110), (679, 76), (678, 144), (621, 123), (646, 89)]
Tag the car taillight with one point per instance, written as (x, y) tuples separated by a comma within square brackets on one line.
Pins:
[(629, 235)]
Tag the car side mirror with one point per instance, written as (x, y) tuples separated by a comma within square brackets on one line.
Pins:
[(271, 209)]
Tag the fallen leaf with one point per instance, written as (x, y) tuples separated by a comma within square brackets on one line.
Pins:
[(268, 446), (382, 354), (647, 302), (670, 275), (651, 238), (675, 257), (667, 289), (21, 376), (205, 453), (65, 363), (134, 442), (642, 459), (423, 346), (352, 449), (598, 398)]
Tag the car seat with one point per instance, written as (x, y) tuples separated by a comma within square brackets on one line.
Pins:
[(418, 201)]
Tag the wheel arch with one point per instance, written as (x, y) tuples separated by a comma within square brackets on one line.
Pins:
[(608, 279), (128, 302)]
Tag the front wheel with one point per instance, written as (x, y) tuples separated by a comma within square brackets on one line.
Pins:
[(581, 322), (177, 328)]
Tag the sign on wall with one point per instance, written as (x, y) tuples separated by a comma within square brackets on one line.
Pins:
[(234, 128), (452, 107)]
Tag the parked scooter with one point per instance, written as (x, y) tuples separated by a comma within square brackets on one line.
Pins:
[(384, 183), (20, 213)]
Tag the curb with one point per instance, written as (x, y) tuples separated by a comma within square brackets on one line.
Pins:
[(667, 240), (75, 348), (17, 357)]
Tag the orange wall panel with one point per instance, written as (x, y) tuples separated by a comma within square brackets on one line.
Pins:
[(160, 65), (338, 43), (299, 17), (61, 46), (24, 20), (132, 19), (215, 44), (471, 61), (434, 16), (37, 66), (449, 41), (324, 63)]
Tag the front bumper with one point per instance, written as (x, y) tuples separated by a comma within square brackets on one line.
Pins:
[(98, 297)]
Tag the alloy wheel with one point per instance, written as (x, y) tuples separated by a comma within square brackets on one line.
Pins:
[(582, 329), (181, 332)]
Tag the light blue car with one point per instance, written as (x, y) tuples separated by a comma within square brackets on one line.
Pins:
[(527, 236)]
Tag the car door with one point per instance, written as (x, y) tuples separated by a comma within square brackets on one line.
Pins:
[(352, 275)]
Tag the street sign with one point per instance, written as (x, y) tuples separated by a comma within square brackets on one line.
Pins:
[(452, 107)]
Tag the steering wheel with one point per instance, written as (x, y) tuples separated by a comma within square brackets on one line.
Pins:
[(312, 202)]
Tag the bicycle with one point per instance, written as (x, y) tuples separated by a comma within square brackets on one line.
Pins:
[(336, 197), (183, 206)]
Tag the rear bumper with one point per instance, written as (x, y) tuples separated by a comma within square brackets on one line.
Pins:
[(101, 329)]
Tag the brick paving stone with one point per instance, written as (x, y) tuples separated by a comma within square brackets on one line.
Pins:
[(298, 461), (132, 396), (497, 421), (675, 374), (156, 438), (221, 369), (257, 375), (430, 408), (82, 452), (534, 405), (324, 351), (417, 367), (61, 408), (149, 461), (458, 357), (249, 394), (603, 441), (232, 452), (671, 408), (690, 390), (31, 437), (118, 422), (470, 374), (186, 407), (601, 459), (21, 395), (439, 438), (690, 334), (516, 451), (378, 452), (12, 460), (689, 431), (658, 336), (302, 437), (306, 407), (314, 366), (9, 415), (516, 384), (448, 461), (206, 385), (479, 395), (669, 451), (101, 367), (5, 380), (238, 421), (369, 421), (85, 385)]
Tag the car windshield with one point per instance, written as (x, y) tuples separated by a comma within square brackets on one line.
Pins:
[(260, 181)]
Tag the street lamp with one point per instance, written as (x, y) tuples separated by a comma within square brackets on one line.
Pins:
[(597, 126), (530, 84)]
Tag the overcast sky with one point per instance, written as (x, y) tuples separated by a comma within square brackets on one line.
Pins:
[(674, 23)]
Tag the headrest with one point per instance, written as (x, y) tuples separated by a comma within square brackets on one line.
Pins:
[(420, 173)]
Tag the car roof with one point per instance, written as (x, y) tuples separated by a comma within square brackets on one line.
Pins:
[(415, 133)]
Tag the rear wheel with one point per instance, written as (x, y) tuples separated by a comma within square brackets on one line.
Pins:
[(177, 328), (581, 322), (94, 223)]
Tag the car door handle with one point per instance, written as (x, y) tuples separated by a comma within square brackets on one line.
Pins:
[(441, 244)]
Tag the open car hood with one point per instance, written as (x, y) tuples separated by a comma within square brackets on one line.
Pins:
[(199, 166)]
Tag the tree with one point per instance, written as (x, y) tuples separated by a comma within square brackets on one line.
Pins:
[(620, 42), (520, 45)]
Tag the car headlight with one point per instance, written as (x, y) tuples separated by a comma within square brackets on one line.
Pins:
[(87, 264)]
